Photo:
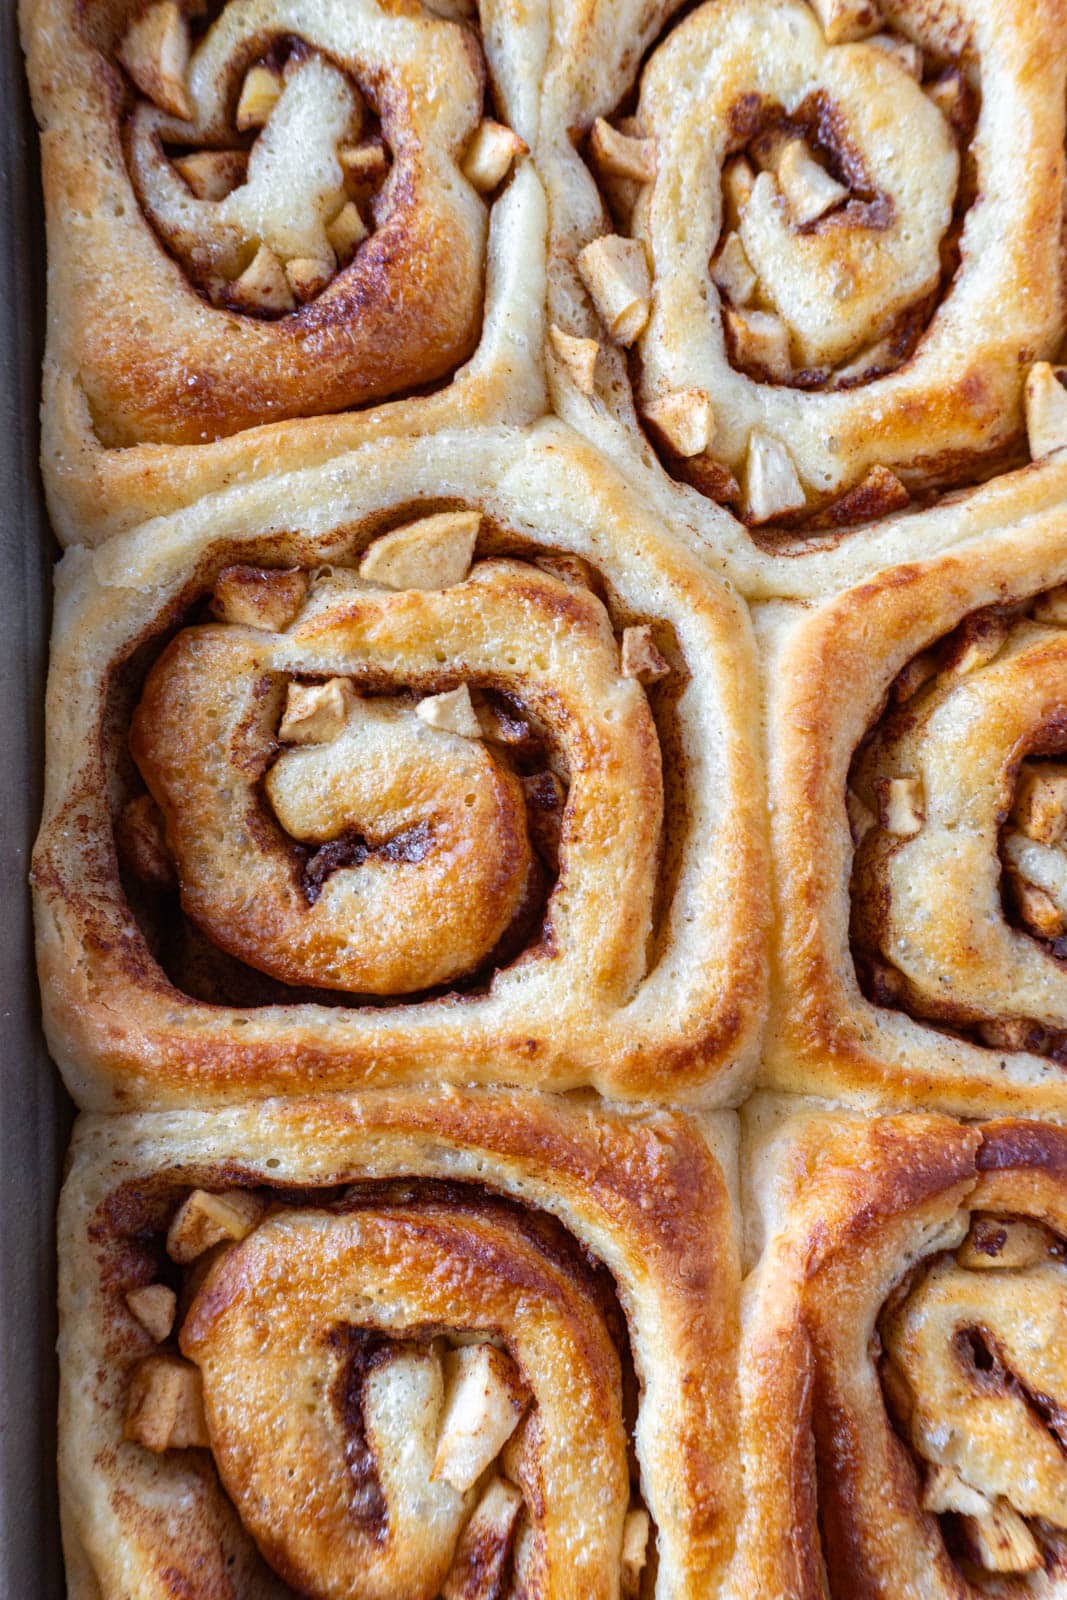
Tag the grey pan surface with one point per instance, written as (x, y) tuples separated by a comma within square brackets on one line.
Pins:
[(34, 1112)]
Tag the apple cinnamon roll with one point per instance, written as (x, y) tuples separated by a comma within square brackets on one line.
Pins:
[(916, 741), (406, 792), (402, 1346), (904, 1357), (807, 262), (263, 213)]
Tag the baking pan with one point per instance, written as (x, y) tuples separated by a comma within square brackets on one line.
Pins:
[(35, 1115)]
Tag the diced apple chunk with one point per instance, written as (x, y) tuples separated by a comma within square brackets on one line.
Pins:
[(1001, 1540), (165, 1405), (761, 339), (640, 657), (685, 419), (262, 286), (732, 272), (908, 56), (485, 1398), (484, 1549), (204, 1219), (1038, 910), (451, 712), (1046, 410), (809, 190), (772, 487), (315, 713), (308, 276), (577, 357), (260, 93), (153, 1305), (259, 597), (635, 1534), (490, 155), (620, 155), (433, 553), (155, 53), (981, 645), (902, 806), (738, 181), (615, 271), (843, 20), (1040, 805), (346, 232), (212, 174), (363, 163)]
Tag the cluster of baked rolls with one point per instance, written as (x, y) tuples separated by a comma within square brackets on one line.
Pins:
[(552, 887)]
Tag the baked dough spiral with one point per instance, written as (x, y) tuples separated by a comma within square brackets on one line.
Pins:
[(823, 250), (349, 1308), (265, 213), (353, 802), (940, 774), (409, 1345), (915, 729), (904, 1364), (432, 858)]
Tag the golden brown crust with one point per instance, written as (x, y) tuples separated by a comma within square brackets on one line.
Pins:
[(855, 1221), (163, 380), (826, 442), (828, 673), (649, 1198), (664, 999)]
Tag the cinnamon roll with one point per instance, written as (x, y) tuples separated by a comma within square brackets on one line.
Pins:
[(270, 214), (447, 771), (915, 730), (904, 1357), (410, 1345), (807, 270)]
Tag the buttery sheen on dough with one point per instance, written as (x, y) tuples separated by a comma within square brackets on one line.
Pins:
[(334, 1267), (271, 215)]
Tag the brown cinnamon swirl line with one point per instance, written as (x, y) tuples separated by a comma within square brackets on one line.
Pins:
[(904, 1357), (801, 265), (405, 1345), (915, 734), (262, 213), (469, 793)]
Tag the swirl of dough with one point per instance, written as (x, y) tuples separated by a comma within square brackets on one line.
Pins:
[(905, 1369), (958, 880), (296, 160), (981, 1350), (830, 264), (218, 209), (382, 1381), (492, 1335), (333, 836)]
